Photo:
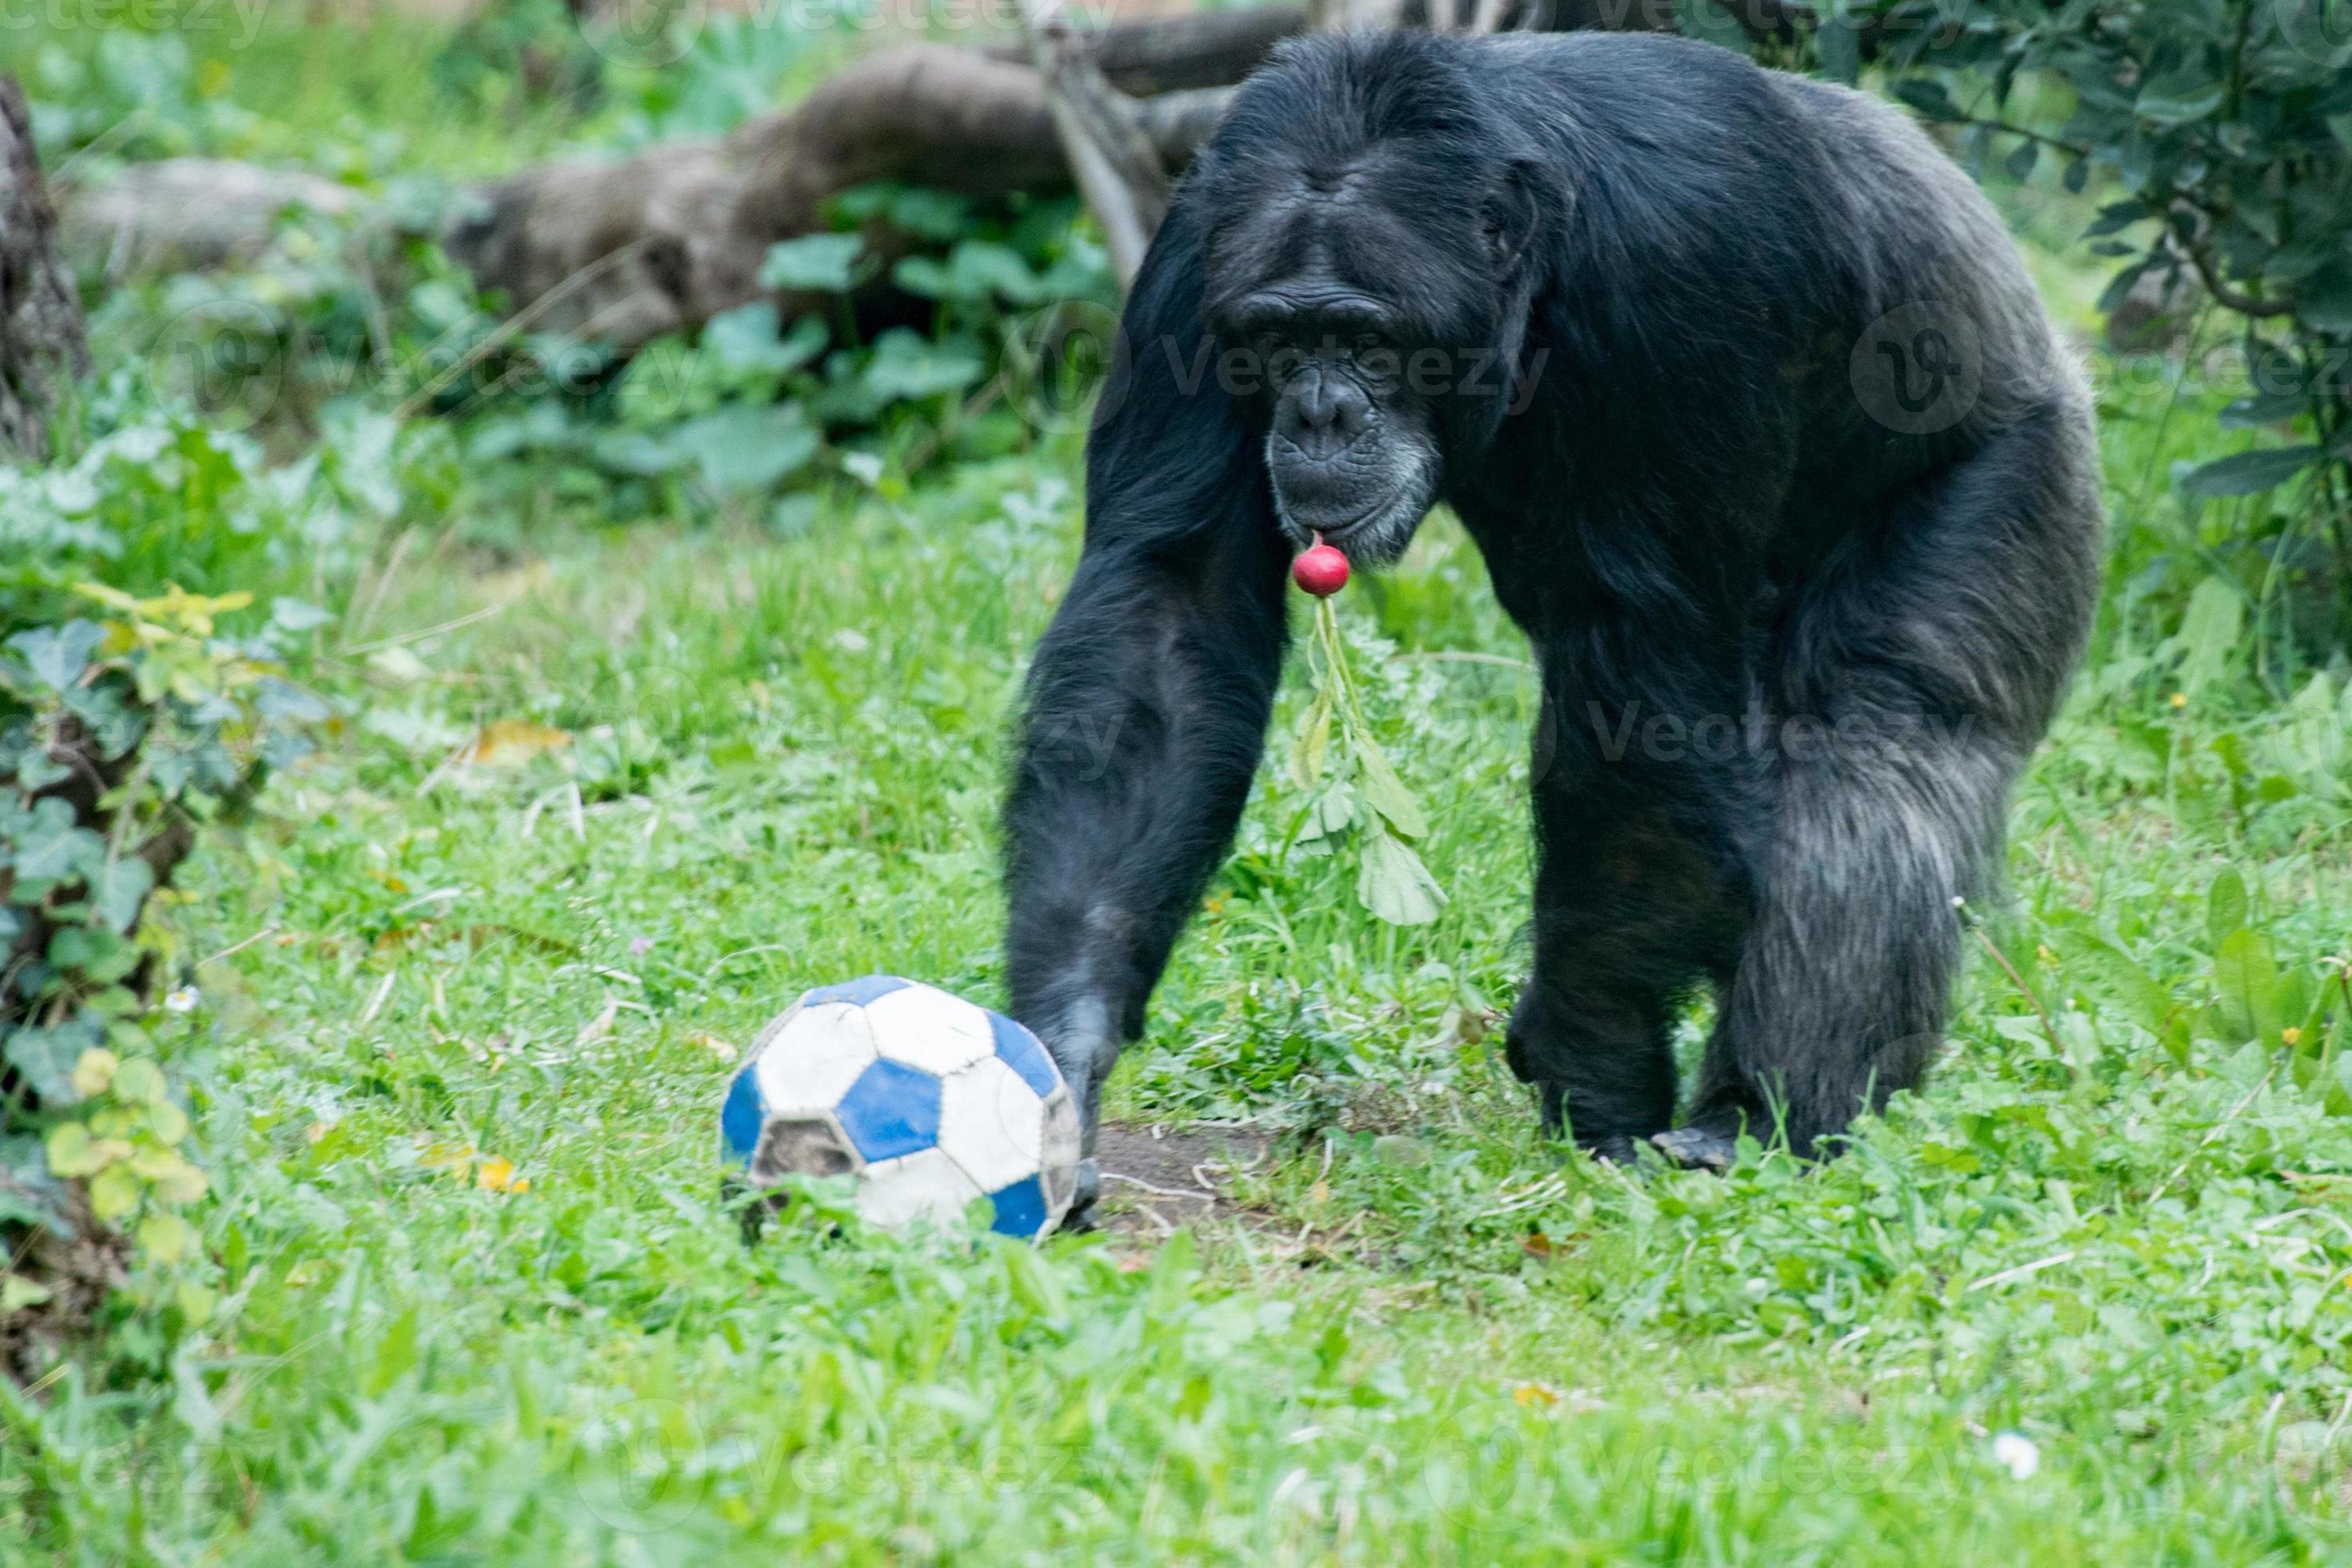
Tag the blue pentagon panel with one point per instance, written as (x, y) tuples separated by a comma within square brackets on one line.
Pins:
[(1020, 1208), (1024, 1056), (860, 991), (739, 1122), (891, 1110)]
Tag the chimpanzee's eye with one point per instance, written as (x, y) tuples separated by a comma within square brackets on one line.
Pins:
[(1368, 343)]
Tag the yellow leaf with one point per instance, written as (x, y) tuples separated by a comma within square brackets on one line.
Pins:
[(197, 1302), (717, 1048), (167, 1122), (155, 1164), (166, 1238), (186, 1187), (1534, 1394), (70, 1150), (113, 1193), (498, 1176), (512, 742), (456, 1157), (93, 1072)]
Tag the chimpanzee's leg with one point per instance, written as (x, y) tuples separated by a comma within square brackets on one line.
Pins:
[(1911, 678), (1148, 702), (1638, 900)]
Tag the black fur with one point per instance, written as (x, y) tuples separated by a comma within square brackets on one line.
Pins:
[(1778, 464)]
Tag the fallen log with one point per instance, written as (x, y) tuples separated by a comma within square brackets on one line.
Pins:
[(623, 250)]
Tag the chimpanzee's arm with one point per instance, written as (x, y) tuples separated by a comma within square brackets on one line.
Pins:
[(1147, 705)]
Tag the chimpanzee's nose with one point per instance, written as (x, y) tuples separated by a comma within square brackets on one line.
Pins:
[(1323, 414)]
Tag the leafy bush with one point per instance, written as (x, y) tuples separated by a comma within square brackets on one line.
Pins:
[(127, 722), (2223, 130)]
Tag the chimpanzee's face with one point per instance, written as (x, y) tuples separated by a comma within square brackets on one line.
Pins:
[(1351, 449), (1352, 322)]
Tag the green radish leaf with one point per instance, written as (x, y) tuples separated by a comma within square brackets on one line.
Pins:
[(1393, 884), (1386, 794), (1310, 745)]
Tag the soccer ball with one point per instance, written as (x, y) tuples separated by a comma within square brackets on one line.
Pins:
[(929, 1100)]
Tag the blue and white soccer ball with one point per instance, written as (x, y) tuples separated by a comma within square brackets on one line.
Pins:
[(929, 1100)]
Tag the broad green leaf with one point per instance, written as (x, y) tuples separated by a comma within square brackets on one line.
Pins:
[(51, 847), (2150, 1003), (2325, 299), (1393, 882), (58, 655), (2246, 976), (118, 890), (2179, 97), (2260, 409), (45, 1058), (1928, 98), (814, 261), (2225, 907), (2248, 473), (749, 446), (906, 366), (750, 337), (2208, 633)]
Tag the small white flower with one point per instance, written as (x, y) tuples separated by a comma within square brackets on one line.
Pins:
[(183, 1000), (2016, 1453)]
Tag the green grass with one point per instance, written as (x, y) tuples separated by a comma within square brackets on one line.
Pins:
[(786, 755), (2115, 1223)]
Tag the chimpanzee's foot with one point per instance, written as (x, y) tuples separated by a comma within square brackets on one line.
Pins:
[(1080, 1218), (1696, 1149)]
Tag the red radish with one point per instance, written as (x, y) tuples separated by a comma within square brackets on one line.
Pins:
[(1320, 569)]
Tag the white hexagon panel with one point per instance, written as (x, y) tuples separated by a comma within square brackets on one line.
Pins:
[(928, 1101), (928, 1028)]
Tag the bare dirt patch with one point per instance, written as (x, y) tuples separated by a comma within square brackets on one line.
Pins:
[(1156, 1179)]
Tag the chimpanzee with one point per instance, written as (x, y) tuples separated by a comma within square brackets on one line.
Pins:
[(1744, 394)]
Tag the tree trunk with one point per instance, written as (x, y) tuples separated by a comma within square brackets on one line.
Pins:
[(42, 350)]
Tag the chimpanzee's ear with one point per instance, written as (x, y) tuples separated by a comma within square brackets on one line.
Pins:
[(1514, 213)]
